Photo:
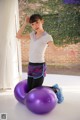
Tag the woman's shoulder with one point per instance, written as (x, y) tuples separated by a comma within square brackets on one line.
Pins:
[(47, 34)]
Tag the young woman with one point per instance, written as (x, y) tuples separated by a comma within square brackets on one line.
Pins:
[(39, 40)]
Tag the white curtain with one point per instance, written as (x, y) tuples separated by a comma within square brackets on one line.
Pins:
[(10, 53)]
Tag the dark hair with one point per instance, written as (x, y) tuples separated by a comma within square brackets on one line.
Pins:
[(34, 18)]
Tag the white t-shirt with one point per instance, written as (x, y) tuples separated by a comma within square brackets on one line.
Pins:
[(38, 47)]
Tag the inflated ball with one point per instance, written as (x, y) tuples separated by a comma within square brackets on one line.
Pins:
[(20, 91), (40, 100)]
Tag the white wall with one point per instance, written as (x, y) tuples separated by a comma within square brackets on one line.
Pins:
[(10, 55)]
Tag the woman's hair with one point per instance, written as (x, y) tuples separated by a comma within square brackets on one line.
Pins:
[(34, 18)]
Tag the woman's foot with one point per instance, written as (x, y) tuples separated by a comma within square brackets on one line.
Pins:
[(58, 93)]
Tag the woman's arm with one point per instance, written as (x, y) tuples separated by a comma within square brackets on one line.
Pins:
[(52, 46), (55, 49), (60, 50), (19, 34)]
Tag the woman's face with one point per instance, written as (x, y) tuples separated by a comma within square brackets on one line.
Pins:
[(38, 25)]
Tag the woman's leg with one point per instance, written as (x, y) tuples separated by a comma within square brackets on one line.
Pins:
[(38, 82), (33, 83), (30, 83)]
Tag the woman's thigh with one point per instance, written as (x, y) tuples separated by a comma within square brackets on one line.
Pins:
[(33, 83)]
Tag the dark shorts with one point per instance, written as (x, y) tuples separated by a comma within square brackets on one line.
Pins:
[(36, 70)]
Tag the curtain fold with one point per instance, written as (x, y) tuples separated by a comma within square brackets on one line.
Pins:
[(9, 58)]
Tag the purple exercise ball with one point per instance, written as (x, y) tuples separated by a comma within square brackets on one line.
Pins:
[(40, 100), (20, 91)]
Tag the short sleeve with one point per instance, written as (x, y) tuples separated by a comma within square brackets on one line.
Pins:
[(48, 38)]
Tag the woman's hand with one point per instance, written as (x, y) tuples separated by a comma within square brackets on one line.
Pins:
[(26, 20)]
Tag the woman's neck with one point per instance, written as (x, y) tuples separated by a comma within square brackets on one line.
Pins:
[(38, 32)]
